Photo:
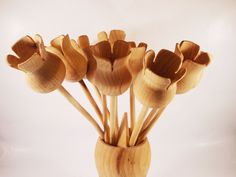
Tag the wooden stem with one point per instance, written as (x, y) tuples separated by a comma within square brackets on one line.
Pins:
[(76, 104), (99, 95), (138, 126), (132, 109), (113, 120), (145, 132), (149, 118), (123, 135), (91, 99), (105, 123)]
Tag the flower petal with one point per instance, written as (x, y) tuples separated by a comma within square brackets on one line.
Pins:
[(178, 76), (76, 47), (102, 50), (116, 35), (32, 64), (92, 64), (56, 42), (132, 44), (192, 77), (142, 44), (189, 49), (102, 36), (25, 48), (83, 41), (120, 49), (135, 63), (203, 58), (40, 44), (76, 63), (13, 61), (112, 80), (166, 63), (178, 51), (55, 51), (149, 59)]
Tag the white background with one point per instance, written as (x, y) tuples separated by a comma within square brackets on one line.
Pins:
[(44, 136)]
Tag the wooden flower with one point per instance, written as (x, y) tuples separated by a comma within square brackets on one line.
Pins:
[(44, 71), (155, 86), (114, 62), (137, 52), (112, 76), (195, 61), (135, 62), (72, 55)]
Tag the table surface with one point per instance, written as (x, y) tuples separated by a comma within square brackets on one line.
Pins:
[(42, 135)]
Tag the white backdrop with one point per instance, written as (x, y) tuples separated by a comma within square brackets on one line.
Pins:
[(42, 135)]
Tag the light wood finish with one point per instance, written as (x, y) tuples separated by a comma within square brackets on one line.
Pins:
[(116, 35), (113, 120), (155, 86), (149, 118), (138, 126), (102, 36), (91, 100), (97, 93), (113, 66), (73, 57), (77, 105), (114, 161), (105, 119), (100, 99), (135, 61), (111, 74), (194, 61), (44, 71), (148, 128), (132, 108), (123, 135)]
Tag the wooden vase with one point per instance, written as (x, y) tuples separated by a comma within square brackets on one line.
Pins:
[(113, 161)]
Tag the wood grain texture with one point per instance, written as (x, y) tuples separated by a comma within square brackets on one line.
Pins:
[(138, 126), (123, 135), (144, 132), (113, 120), (114, 161), (91, 100), (194, 61), (80, 108), (132, 108)]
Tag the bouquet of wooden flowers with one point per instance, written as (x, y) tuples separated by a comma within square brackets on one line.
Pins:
[(113, 65)]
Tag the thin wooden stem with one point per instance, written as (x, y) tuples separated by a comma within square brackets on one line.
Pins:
[(132, 109), (149, 118), (123, 135), (138, 126), (80, 108), (91, 99), (113, 120), (99, 95), (105, 123), (145, 132)]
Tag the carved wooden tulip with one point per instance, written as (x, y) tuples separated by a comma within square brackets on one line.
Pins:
[(155, 86), (72, 55), (112, 161), (194, 61), (44, 71), (116, 63), (111, 76)]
